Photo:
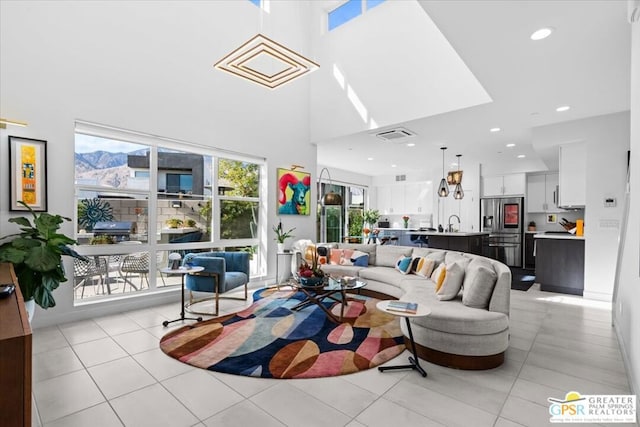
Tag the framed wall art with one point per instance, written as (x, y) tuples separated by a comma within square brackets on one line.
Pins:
[(294, 192), (27, 173)]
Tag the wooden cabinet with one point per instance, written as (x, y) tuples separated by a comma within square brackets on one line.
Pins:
[(529, 247), (15, 356), (542, 193), (469, 244), (573, 175), (504, 185), (560, 265)]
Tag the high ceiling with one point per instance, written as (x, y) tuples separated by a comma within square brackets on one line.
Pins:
[(585, 64)]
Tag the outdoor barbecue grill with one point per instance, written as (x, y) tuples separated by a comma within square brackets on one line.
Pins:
[(120, 231)]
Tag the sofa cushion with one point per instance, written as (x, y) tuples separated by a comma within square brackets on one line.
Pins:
[(367, 248), (452, 282), (382, 274), (458, 257), (478, 285), (453, 317), (341, 270), (403, 265), (423, 266), (435, 254), (387, 255)]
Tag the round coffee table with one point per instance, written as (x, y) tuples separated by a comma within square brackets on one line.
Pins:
[(421, 311), (334, 290)]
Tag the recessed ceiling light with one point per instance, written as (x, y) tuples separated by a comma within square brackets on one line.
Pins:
[(495, 130), (369, 158), (511, 145), (562, 108), (393, 166), (542, 33), (411, 144), (521, 156)]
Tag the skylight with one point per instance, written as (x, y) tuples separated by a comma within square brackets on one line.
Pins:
[(348, 10)]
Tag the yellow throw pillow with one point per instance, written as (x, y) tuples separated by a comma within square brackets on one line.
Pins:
[(439, 275), (423, 266)]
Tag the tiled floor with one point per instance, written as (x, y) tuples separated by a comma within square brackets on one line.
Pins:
[(109, 371)]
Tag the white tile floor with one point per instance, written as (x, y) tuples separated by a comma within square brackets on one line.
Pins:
[(109, 371)]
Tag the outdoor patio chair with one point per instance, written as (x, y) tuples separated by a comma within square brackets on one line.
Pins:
[(135, 264), (86, 271)]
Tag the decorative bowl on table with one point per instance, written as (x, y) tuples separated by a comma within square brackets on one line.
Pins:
[(310, 281)]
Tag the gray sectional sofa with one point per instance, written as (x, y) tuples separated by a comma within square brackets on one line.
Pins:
[(471, 331)]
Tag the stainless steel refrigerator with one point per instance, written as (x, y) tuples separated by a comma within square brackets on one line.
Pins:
[(503, 219)]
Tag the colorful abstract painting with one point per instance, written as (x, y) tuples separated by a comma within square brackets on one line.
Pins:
[(28, 174), (294, 193)]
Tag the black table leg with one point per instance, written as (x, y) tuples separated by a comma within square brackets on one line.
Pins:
[(182, 316), (413, 361)]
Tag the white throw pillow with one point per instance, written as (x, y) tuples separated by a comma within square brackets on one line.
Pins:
[(452, 282)]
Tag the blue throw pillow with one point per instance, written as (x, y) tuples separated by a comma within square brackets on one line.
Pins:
[(360, 259), (403, 265)]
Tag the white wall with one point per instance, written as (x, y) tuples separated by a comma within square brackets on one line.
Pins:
[(148, 66), (607, 139), (388, 65), (626, 309)]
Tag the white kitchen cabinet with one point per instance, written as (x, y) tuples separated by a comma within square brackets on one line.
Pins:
[(504, 185), (542, 193), (411, 198), (573, 175), (418, 198)]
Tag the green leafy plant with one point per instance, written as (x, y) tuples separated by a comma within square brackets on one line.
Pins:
[(281, 235), (371, 217), (174, 222), (191, 223), (36, 254)]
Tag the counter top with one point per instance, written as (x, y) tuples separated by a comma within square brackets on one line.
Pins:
[(567, 236), (446, 233)]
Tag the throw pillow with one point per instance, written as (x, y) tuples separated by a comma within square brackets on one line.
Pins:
[(452, 282), (346, 257), (403, 265), (360, 259), (439, 275), (335, 256), (387, 255), (478, 285), (423, 267)]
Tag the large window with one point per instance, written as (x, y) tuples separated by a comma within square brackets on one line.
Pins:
[(140, 199)]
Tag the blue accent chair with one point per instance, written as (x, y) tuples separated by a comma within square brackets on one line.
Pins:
[(223, 271)]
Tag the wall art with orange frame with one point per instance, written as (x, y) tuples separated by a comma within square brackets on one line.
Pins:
[(27, 174)]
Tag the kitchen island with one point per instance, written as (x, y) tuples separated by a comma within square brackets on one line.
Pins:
[(560, 262), (470, 242)]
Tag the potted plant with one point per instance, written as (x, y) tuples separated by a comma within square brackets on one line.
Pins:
[(532, 226), (191, 223), (281, 235), (311, 274), (174, 222), (36, 254), (371, 217)]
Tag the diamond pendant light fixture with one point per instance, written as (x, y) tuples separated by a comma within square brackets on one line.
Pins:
[(266, 62), (458, 193), (443, 189)]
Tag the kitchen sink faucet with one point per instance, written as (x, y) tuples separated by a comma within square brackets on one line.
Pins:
[(450, 227)]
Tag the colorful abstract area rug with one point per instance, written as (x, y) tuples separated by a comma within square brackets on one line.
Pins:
[(270, 340)]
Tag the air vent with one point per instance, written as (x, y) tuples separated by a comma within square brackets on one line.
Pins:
[(401, 177), (395, 134)]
